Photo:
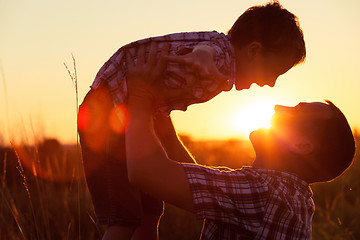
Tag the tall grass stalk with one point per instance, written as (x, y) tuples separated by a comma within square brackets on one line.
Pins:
[(39, 187), (40, 190), (22, 173), (74, 79), (9, 203), (6, 99)]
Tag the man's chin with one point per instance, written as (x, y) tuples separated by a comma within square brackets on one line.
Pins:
[(259, 132), (261, 140)]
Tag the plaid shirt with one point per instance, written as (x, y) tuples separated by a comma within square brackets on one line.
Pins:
[(113, 72), (250, 203)]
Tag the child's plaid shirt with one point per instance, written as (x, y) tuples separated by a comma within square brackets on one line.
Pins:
[(250, 203), (177, 75)]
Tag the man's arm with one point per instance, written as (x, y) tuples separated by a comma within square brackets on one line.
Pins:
[(170, 141), (148, 165)]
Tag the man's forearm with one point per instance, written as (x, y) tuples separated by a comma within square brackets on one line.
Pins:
[(149, 167), (169, 139), (141, 141)]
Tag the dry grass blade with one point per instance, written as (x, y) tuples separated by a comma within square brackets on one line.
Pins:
[(6, 99), (74, 80)]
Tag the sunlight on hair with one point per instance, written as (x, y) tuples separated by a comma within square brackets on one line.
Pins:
[(255, 115)]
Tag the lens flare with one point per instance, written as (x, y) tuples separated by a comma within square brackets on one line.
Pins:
[(119, 118), (83, 118)]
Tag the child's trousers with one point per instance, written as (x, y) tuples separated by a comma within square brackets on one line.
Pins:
[(115, 201)]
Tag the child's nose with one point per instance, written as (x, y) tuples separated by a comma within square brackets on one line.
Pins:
[(271, 82)]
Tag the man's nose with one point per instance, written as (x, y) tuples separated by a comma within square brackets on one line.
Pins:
[(282, 109)]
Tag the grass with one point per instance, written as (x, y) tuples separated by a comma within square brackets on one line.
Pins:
[(41, 192), (44, 195)]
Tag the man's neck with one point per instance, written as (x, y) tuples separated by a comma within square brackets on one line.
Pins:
[(270, 163)]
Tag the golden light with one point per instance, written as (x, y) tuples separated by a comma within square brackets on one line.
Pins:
[(254, 115), (119, 118)]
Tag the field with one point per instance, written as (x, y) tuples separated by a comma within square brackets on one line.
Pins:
[(43, 194)]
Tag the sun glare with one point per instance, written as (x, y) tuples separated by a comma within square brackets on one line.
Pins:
[(253, 116)]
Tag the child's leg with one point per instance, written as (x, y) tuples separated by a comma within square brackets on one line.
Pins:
[(117, 204), (153, 210), (147, 229), (118, 232)]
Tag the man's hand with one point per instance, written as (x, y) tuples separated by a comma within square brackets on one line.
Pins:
[(144, 78)]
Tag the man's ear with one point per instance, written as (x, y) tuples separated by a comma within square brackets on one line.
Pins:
[(254, 49), (302, 146)]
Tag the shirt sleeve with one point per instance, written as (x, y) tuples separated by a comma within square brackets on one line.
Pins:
[(225, 195), (177, 76)]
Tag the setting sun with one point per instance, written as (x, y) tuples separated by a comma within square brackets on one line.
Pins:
[(253, 116)]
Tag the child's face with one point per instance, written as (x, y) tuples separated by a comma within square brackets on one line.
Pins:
[(254, 66)]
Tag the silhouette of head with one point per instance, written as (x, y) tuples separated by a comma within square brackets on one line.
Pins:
[(274, 27), (313, 140)]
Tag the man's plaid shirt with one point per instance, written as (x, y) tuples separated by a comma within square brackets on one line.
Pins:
[(250, 203), (113, 72)]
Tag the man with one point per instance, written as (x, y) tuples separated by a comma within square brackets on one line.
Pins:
[(308, 143)]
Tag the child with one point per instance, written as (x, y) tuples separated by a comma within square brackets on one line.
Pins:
[(264, 42)]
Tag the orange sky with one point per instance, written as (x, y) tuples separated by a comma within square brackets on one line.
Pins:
[(37, 98)]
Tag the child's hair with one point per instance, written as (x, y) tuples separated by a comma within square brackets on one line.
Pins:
[(274, 27), (334, 147)]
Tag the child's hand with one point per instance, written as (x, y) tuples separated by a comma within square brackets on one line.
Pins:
[(201, 60)]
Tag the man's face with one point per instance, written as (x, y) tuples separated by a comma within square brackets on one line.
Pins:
[(287, 127)]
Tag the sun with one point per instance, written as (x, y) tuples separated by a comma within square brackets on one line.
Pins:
[(254, 115)]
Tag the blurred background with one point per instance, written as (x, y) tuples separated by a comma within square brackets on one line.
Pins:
[(43, 194)]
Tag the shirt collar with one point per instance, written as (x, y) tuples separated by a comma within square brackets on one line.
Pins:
[(290, 179)]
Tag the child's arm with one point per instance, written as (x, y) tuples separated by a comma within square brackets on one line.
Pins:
[(201, 59)]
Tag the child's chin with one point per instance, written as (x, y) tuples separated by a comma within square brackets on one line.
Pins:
[(242, 86)]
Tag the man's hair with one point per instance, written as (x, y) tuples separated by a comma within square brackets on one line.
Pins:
[(274, 27), (334, 147)]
